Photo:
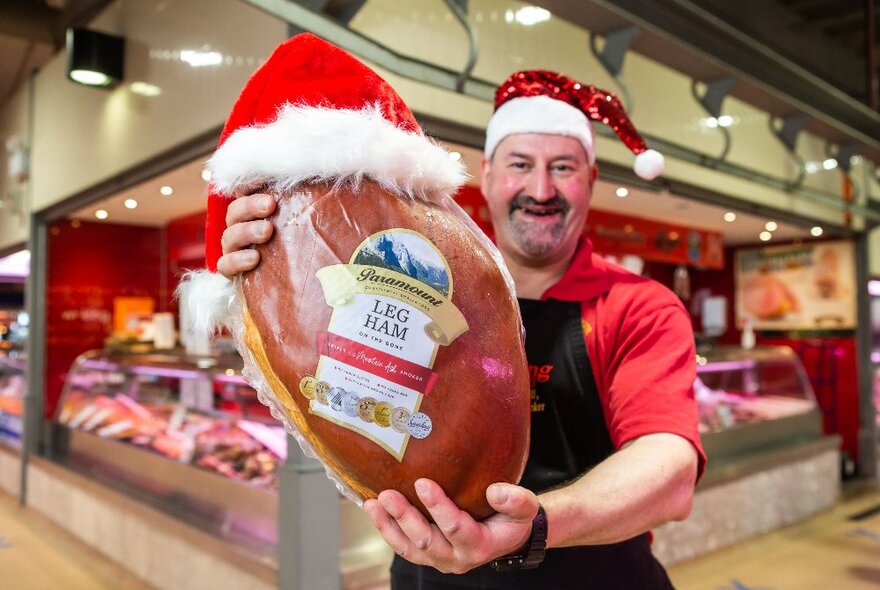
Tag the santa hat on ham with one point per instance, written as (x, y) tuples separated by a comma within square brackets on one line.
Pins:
[(312, 113), (539, 101)]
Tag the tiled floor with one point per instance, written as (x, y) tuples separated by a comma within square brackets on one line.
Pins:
[(37, 555), (839, 549)]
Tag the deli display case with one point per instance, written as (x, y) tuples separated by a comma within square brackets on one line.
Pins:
[(769, 462), (184, 434), (752, 401), (187, 436)]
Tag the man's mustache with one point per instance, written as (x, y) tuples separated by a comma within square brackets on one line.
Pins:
[(557, 201)]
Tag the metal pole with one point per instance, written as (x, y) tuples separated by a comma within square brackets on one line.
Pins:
[(36, 349), (308, 525), (872, 86), (867, 438)]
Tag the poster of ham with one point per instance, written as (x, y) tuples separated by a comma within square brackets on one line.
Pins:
[(797, 286)]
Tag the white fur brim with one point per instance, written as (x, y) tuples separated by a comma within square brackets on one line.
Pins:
[(205, 299), (315, 144), (539, 114)]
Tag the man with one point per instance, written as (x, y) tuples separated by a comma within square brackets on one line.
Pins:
[(615, 450)]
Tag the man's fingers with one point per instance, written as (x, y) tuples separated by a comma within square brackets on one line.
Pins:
[(243, 234), (456, 525), (236, 262), (413, 524), (388, 528), (513, 502), (248, 208)]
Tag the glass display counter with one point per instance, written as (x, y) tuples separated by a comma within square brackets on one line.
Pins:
[(187, 436), (194, 410), (13, 383), (753, 401)]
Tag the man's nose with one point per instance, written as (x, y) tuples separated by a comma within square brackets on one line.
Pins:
[(540, 185)]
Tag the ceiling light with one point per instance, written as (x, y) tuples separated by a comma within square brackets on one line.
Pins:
[(455, 156), (206, 175), (771, 226), (811, 167), (725, 121), (93, 58), (130, 204), (166, 190), (730, 217), (145, 89), (816, 231), (829, 164), (531, 15), (765, 236), (710, 122), (74, 223), (622, 192), (198, 59), (101, 214), (90, 78)]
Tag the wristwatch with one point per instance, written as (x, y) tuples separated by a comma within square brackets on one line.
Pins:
[(532, 553)]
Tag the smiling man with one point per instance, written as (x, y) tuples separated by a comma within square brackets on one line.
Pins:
[(615, 449)]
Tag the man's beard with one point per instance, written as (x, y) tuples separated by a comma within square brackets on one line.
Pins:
[(538, 239)]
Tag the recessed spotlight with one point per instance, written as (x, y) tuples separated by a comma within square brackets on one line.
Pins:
[(765, 236), (130, 204), (622, 192), (206, 175), (829, 164), (101, 214), (816, 231), (771, 226), (455, 156), (166, 190), (730, 217)]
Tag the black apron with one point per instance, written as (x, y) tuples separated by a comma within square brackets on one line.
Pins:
[(568, 437)]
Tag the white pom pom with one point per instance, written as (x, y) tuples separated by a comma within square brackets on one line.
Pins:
[(207, 297), (649, 164)]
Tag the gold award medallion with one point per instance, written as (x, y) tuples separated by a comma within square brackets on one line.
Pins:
[(307, 386), (399, 418), (322, 388), (382, 414), (366, 407)]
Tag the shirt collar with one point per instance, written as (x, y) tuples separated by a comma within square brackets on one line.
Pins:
[(585, 278)]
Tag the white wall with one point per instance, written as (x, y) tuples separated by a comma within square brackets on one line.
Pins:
[(87, 135), (14, 197)]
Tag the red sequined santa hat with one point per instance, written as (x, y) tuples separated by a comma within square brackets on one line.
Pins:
[(539, 101), (312, 113)]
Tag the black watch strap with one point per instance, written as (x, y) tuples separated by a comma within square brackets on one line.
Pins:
[(532, 554)]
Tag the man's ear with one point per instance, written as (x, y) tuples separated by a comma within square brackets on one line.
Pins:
[(594, 173)]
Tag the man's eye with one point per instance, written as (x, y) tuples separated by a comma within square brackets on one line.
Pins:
[(519, 165), (563, 168)]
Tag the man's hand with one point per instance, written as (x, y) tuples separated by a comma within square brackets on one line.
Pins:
[(245, 225), (456, 543)]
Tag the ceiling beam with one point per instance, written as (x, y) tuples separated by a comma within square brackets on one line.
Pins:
[(30, 20)]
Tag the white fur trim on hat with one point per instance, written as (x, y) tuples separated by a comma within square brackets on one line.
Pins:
[(207, 297), (319, 144), (539, 114)]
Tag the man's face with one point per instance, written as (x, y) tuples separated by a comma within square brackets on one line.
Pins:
[(538, 188)]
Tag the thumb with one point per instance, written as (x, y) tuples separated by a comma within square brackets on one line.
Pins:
[(512, 501)]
